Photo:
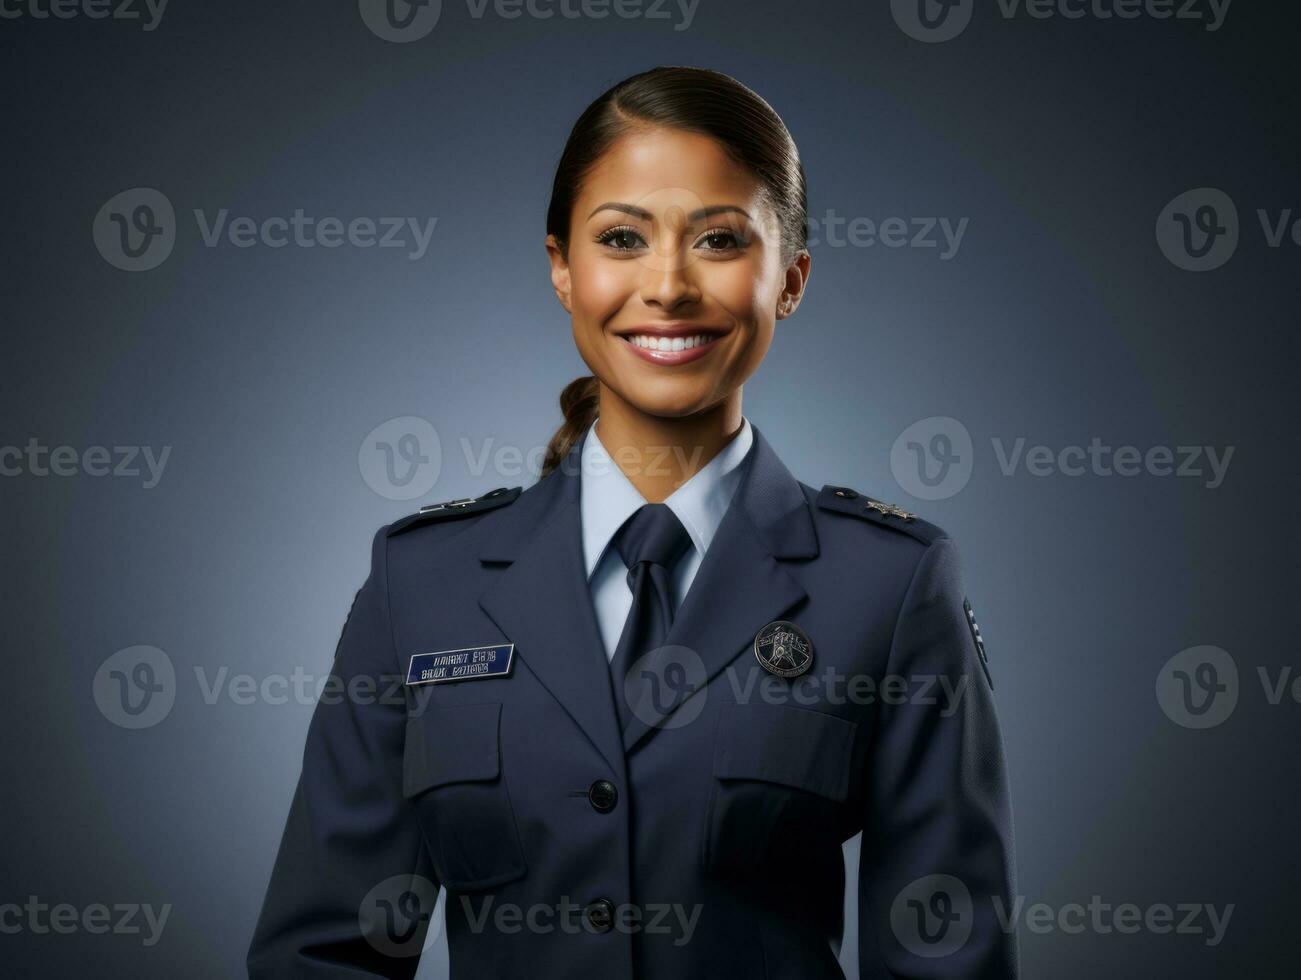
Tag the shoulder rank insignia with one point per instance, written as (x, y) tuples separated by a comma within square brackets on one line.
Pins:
[(847, 501), (456, 508), (891, 510)]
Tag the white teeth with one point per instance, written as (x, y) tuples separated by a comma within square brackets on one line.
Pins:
[(669, 343)]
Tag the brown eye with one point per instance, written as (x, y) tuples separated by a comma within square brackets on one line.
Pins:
[(621, 239), (719, 240)]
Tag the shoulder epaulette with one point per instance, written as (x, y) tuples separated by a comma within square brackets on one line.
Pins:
[(461, 507), (847, 501)]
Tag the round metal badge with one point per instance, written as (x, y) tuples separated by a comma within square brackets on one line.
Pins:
[(783, 649)]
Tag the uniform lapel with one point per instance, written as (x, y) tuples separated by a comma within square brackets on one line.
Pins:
[(740, 586), (542, 602)]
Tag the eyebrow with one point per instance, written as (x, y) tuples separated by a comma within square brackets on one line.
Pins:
[(645, 215)]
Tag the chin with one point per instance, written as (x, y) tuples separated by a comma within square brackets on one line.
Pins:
[(672, 407)]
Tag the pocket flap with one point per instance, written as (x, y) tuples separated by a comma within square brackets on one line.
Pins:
[(799, 747), (452, 744)]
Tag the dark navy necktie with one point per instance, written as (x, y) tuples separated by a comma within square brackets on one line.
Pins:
[(650, 543)]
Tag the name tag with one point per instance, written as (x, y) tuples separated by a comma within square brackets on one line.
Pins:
[(469, 663)]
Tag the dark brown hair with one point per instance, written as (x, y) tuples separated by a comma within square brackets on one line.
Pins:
[(697, 100)]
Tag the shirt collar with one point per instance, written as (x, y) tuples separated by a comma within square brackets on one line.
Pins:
[(608, 498)]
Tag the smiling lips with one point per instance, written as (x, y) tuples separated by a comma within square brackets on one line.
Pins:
[(671, 347)]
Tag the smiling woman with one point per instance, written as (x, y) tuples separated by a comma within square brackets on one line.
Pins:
[(669, 677), (676, 233)]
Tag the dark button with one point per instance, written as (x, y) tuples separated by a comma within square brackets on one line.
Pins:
[(603, 796), (846, 493), (600, 915)]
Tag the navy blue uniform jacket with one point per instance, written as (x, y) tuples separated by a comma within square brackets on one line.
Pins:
[(728, 827)]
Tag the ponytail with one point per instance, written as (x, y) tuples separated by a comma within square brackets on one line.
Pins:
[(579, 403)]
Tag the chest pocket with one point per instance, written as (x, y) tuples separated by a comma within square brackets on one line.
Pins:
[(451, 770), (781, 775)]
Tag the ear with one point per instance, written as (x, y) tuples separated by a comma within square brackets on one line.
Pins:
[(559, 272), (797, 280)]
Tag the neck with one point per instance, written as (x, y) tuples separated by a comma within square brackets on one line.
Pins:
[(658, 454)]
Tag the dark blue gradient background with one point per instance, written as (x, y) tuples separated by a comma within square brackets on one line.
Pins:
[(1058, 320)]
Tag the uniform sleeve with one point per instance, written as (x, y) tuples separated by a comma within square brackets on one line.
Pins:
[(937, 870), (351, 864)]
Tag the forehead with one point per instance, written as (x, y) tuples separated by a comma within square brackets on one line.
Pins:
[(651, 164)]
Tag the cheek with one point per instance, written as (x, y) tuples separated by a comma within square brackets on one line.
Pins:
[(739, 288), (600, 289)]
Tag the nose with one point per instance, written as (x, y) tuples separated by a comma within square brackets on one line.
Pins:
[(668, 288), (667, 279)]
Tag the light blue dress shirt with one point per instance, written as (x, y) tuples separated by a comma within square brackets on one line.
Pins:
[(608, 499)]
